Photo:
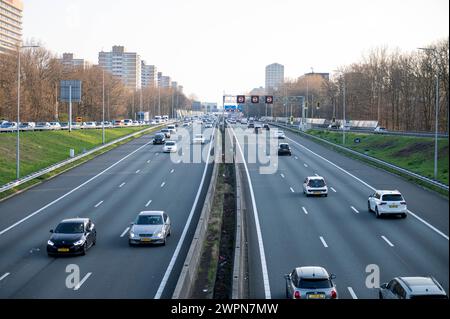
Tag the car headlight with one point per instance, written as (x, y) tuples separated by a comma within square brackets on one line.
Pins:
[(159, 234), (132, 235), (79, 243), (50, 243)]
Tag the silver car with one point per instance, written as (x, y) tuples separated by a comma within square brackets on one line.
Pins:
[(310, 283), (150, 227), (412, 288)]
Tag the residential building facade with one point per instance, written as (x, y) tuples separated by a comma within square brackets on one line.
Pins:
[(69, 62), (124, 65), (11, 13), (274, 76), (149, 75)]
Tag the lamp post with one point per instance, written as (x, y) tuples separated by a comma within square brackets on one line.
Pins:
[(19, 48), (103, 111), (343, 104), (434, 51)]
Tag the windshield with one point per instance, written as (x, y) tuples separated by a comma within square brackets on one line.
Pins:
[(149, 220), (170, 143), (314, 283), (70, 228), (392, 198), (316, 183)]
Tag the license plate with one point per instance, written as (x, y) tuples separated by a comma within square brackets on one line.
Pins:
[(316, 296), (146, 239), (393, 206), (317, 192), (63, 250)]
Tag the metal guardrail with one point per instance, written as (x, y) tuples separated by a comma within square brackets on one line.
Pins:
[(70, 160), (372, 159)]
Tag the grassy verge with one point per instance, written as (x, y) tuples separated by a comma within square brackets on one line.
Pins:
[(415, 154), (123, 132)]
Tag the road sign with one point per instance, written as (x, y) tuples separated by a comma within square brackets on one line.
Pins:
[(70, 91), (269, 99), (255, 99), (241, 99), (79, 119)]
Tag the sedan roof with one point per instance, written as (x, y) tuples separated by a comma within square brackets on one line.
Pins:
[(75, 220), (151, 212), (312, 272)]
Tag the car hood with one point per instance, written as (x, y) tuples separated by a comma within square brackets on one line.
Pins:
[(146, 229), (66, 238)]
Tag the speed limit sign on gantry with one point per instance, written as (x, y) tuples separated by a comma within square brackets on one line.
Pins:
[(269, 99), (241, 99)]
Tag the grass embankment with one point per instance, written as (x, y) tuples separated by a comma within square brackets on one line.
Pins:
[(39, 150), (415, 154)]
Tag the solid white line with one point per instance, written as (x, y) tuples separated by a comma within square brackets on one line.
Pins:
[(350, 289), (323, 242), (4, 276), (292, 190), (149, 161), (370, 187), (282, 175), (122, 185), (305, 211), (333, 189), (186, 227), (179, 161), (296, 157), (306, 165), (72, 191), (137, 172), (125, 231), (355, 210), (162, 185), (172, 171), (98, 204), (258, 227), (148, 203), (82, 281), (387, 240)]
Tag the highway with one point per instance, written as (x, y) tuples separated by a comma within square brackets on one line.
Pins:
[(287, 230), (111, 190)]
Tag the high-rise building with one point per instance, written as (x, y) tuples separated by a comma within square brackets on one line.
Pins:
[(274, 76), (10, 25), (124, 65), (69, 62), (174, 85), (165, 82), (149, 75)]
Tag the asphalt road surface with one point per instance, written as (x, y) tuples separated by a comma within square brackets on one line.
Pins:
[(288, 230), (111, 190)]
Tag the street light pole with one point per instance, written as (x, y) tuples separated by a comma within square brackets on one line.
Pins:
[(103, 112), (436, 113), (19, 48)]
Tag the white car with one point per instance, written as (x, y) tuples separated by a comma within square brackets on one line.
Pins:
[(387, 203), (172, 129), (315, 185), (42, 126), (88, 125), (55, 126), (380, 129), (199, 139), (170, 147), (280, 135), (128, 122)]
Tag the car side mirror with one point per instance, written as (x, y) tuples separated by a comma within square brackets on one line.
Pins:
[(52, 231), (332, 276), (287, 276), (383, 286)]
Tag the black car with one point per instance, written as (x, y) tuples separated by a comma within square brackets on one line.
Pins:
[(284, 149), (159, 138), (72, 237), (266, 127)]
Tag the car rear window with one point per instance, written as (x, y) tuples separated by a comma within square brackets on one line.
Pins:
[(284, 146), (314, 283), (392, 198), (316, 183)]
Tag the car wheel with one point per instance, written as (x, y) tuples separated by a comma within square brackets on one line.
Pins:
[(377, 213), (164, 242), (368, 207), (404, 215), (83, 252), (287, 293), (380, 295)]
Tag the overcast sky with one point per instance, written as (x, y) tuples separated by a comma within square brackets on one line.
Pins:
[(212, 46)]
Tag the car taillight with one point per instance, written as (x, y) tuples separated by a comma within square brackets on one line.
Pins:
[(297, 295), (403, 203), (383, 203), (333, 294)]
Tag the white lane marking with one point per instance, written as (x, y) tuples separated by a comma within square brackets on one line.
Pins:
[(162, 185), (149, 161), (72, 191), (122, 185), (323, 242), (354, 209), (186, 227), (370, 187), (296, 157), (317, 175), (305, 211), (82, 281), (306, 165), (258, 227), (148, 203), (352, 293), (282, 175), (4, 276), (125, 231), (292, 190), (333, 189), (387, 240), (156, 154), (172, 171), (179, 161), (138, 171), (98, 204)]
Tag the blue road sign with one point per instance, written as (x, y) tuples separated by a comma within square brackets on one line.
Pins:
[(66, 87)]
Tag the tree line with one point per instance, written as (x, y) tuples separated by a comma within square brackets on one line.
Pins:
[(41, 73), (396, 89)]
